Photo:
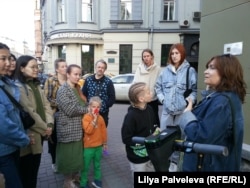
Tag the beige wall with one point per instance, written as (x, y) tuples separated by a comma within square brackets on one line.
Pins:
[(139, 41), (111, 42)]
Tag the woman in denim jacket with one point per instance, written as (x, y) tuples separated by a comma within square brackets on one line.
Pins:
[(12, 134), (170, 88), (218, 118), (171, 85)]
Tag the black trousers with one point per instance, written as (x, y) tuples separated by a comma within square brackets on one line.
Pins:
[(52, 142), (154, 105), (105, 116), (29, 166)]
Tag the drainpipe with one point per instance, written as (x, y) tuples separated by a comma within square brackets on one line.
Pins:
[(152, 25)]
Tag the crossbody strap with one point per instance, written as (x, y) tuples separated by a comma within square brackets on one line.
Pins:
[(187, 78), (233, 119), (233, 115), (13, 100)]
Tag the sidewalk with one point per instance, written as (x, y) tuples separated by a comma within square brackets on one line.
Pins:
[(115, 167)]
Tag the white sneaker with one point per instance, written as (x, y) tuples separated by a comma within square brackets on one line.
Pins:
[(54, 168), (173, 167)]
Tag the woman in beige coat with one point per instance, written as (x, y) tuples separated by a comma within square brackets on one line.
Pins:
[(33, 99)]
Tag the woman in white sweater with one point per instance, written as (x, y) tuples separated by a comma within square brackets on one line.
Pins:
[(148, 72)]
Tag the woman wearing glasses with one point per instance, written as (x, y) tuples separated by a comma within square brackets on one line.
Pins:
[(34, 101), (218, 118)]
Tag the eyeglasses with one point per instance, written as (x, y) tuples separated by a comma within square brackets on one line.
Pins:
[(34, 67), (5, 58)]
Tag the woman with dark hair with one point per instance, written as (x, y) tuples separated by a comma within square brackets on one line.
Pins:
[(218, 118), (71, 108), (33, 100), (12, 133), (148, 72), (170, 88), (12, 68)]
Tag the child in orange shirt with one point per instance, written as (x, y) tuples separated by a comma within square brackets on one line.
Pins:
[(94, 141)]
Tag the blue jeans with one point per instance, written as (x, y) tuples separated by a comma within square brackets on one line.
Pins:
[(8, 166)]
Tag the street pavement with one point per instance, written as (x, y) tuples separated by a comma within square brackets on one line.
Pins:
[(115, 167)]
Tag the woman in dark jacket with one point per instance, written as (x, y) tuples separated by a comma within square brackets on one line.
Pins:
[(218, 118)]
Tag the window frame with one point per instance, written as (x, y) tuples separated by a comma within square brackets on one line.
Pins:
[(125, 58), (170, 5), (165, 48), (86, 10), (127, 4), (61, 17), (62, 51)]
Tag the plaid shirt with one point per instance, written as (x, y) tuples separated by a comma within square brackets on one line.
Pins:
[(69, 119), (50, 89)]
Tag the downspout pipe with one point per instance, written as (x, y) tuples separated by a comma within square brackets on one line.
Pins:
[(152, 25)]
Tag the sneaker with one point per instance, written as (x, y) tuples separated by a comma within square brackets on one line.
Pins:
[(54, 168), (97, 184), (86, 186), (173, 167)]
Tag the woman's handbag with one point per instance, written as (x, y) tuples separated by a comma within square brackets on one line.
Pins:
[(26, 118), (187, 91)]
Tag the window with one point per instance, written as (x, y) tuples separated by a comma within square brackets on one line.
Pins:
[(126, 9), (125, 58), (87, 58), (165, 48), (194, 51), (169, 10), (87, 8), (62, 51), (60, 11)]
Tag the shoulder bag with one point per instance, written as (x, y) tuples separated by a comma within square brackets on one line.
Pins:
[(187, 91), (26, 118)]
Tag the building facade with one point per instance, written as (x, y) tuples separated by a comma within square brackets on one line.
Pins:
[(83, 31)]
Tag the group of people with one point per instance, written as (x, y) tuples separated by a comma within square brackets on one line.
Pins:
[(21, 149), (81, 120), (74, 120), (217, 119)]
